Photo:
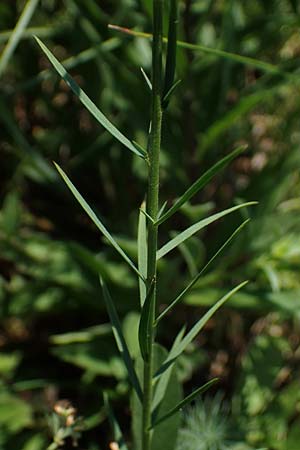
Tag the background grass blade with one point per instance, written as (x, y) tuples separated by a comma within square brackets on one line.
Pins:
[(181, 237), (185, 401), (17, 33), (200, 183), (117, 433), (87, 102), (245, 60), (120, 340), (196, 278), (142, 253), (95, 219), (197, 328)]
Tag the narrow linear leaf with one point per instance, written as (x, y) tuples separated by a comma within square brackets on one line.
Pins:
[(173, 243), (200, 183), (149, 84), (161, 211), (143, 211), (140, 149), (145, 325), (87, 102), (16, 35), (169, 93), (117, 433), (185, 401), (95, 219), (196, 278), (163, 381), (71, 62), (142, 253), (196, 329), (120, 340)]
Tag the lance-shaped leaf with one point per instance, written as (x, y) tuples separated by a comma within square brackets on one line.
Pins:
[(163, 381), (196, 330), (185, 402), (146, 325), (181, 237), (196, 277), (200, 183), (87, 102), (120, 340), (117, 433), (95, 219), (142, 253)]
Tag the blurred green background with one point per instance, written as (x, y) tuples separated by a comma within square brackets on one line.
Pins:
[(55, 339)]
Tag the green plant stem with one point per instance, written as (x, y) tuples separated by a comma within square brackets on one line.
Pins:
[(152, 206)]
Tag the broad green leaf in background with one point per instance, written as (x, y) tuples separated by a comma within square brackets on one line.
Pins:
[(120, 340), (95, 219), (165, 434), (200, 183), (15, 413), (87, 102), (163, 381), (173, 243)]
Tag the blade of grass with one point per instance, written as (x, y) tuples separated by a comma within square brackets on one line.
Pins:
[(202, 181), (196, 278), (16, 35), (96, 220), (185, 402), (245, 60), (46, 31), (120, 340), (145, 325), (142, 253), (117, 433), (87, 102), (173, 243), (196, 329)]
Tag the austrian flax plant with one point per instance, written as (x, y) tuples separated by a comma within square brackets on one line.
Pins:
[(157, 396)]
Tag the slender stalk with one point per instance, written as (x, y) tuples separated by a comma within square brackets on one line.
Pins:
[(152, 205)]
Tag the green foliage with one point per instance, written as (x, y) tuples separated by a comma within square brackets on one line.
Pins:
[(238, 66)]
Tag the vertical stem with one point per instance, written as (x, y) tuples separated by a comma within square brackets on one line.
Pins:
[(152, 204)]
